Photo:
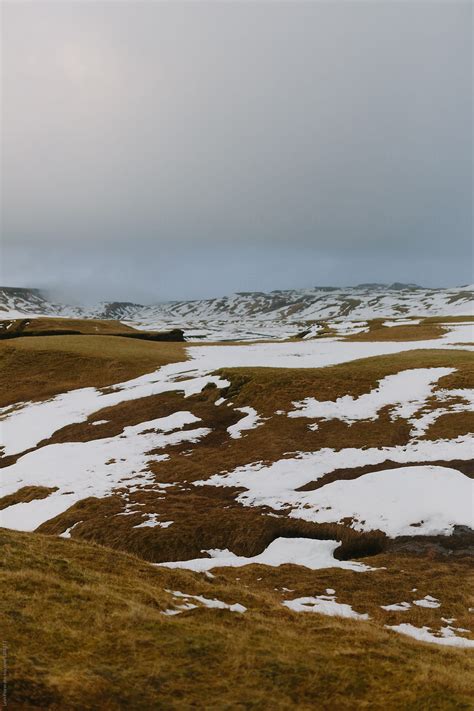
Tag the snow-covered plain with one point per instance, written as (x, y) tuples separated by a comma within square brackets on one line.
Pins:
[(97, 467)]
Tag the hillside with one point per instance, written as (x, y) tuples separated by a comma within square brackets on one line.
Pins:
[(281, 307), (265, 524), (90, 628)]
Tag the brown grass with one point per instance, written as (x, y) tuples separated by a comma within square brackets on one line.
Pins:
[(416, 332), (38, 368), (209, 517), (460, 422), (271, 389), (82, 325), (84, 631), (25, 494), (448, 319), (203, 518)]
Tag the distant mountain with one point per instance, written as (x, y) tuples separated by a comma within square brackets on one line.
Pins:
[(291, 307)]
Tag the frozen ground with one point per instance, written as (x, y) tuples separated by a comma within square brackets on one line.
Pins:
[(26, 424), (418, 500), (95, 468), (407, 501)]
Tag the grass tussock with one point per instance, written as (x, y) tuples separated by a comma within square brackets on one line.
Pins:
[(84, 630)]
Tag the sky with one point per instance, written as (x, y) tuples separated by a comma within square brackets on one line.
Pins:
[(175, 150)]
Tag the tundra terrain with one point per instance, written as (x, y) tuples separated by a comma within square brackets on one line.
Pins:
[(239, 521)]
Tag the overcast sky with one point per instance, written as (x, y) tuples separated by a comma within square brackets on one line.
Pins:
[(155, 150)]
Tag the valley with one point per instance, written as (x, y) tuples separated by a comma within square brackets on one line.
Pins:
[(239, 508)]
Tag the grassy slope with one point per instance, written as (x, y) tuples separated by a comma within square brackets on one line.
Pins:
[(209, 517), (83, 623), (378, 332), (38, 368), (84, 631), (200, 517), (87, 326)]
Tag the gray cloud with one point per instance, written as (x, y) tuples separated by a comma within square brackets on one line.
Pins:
[(239, 145)]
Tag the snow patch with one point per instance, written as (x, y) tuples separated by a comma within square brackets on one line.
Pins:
[(249, 422), (324, 605), (413, 500), (313, 554), (446, 636), (406, 391), (152, 521), (93, 468), (427, 601), (211, 603), (397, 607), (67, 532)]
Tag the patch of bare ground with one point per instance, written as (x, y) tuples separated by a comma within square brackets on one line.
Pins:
[(448, 319), (85, 630), (460, 543)]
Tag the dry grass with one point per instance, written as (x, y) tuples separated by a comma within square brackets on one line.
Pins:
[(413, 332), (271, 389), (38, 368), (209, 517), (84, 631), (203, 518), (448, 319), (81, 325), (25, 494), (83, 623), (460, 422)]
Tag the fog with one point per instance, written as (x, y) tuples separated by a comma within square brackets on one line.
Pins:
[(155, 151)]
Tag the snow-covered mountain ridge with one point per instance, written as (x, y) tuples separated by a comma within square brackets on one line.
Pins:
[(290, 306)]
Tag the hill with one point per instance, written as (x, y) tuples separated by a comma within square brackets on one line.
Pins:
[(87, 628), (288, 307), (267, 524)]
